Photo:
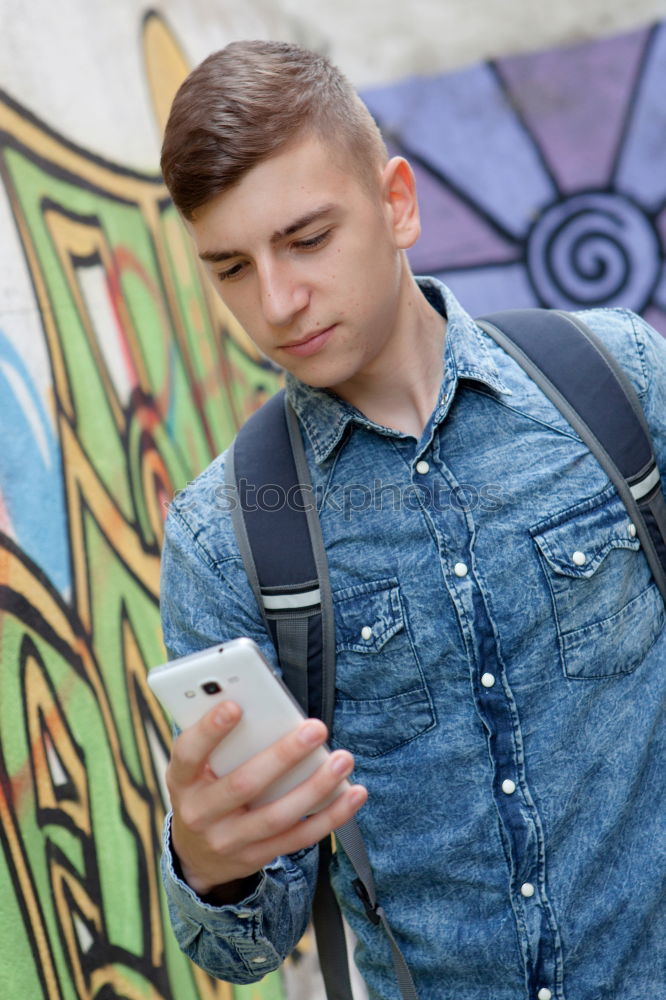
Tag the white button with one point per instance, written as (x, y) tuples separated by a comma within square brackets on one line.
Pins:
[(544, 994), (527, 890), (422, 467), (487, 680), (579, 558), (508, 786), (632, 529), (460, 569), (366, 632), (259, 958), (244, 914)]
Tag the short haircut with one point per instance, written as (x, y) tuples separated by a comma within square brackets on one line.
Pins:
[(247, 102)]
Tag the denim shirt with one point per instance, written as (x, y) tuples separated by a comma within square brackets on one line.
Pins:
[(501, 682)]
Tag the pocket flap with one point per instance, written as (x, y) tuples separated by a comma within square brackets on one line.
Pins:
[(576, 542), (367, 615)]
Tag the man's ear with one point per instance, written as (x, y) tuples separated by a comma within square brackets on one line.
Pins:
[(399, 195)]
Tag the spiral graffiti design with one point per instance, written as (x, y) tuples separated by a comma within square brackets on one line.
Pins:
[(593, 249)]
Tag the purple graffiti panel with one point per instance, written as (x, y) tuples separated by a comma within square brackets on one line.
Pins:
[(542, 178)]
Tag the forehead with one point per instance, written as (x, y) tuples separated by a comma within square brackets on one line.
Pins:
[(298, 181)]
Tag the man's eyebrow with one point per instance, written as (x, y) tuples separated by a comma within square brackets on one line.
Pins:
[(305, 220), (217, 256)]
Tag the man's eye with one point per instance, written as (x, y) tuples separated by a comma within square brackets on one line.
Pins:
[(313, 241), (230, 273)]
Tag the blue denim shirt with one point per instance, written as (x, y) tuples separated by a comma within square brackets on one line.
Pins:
[(507, 711)]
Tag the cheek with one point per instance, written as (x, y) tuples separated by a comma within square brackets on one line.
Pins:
[(240, 308), (375, 280)]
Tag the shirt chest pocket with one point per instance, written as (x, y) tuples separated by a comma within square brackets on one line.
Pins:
[(608, 610), (382, 701)]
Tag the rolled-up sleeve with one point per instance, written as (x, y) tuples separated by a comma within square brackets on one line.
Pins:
[(243, 942)]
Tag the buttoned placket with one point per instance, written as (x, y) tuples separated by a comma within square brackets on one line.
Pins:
[(537, 931)]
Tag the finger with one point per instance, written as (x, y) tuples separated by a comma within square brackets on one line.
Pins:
[(247, 782), (309, 831), (247, 828), (310, 795), (193, 746)]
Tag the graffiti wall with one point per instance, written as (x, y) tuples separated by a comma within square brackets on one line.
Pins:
[(131, 383), (543, 181)]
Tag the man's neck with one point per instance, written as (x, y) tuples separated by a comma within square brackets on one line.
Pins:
[(401, 390)]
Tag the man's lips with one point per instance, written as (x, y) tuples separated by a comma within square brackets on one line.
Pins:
[(310, 344)]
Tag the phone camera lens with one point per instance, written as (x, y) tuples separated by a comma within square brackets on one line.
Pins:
[(211, 687)]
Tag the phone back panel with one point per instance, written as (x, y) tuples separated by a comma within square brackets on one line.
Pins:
[(186, 688)]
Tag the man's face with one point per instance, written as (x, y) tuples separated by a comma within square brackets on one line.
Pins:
[(308, 261)]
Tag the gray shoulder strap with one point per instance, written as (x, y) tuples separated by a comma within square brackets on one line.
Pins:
[(575, 370)]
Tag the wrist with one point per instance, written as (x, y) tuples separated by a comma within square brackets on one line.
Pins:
[(222, 894), (231, 893)]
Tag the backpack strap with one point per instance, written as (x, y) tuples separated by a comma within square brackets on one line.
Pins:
[(277, 527), (273, 506), (575, 370)]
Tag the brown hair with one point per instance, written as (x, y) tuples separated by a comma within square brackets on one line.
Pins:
[(247, 102)]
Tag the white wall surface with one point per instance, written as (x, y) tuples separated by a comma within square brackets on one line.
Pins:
[(374, 41)]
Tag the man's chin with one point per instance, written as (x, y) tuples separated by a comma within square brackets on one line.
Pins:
[(317, 376)]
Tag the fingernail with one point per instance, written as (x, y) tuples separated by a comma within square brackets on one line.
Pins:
[(224, 715), (357, 795), (341, 765), (310, 733)]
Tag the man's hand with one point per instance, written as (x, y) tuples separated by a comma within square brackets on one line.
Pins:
[(218, 838)]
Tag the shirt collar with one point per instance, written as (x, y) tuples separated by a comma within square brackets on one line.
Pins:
[(325, 417)]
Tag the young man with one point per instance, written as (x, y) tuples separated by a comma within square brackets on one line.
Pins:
[(500, 640)]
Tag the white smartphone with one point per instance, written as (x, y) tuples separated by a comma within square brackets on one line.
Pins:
[(237, 671)]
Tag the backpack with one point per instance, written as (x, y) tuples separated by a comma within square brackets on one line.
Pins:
[(285, 560)]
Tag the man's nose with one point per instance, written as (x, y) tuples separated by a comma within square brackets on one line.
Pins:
[(283, 293)]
